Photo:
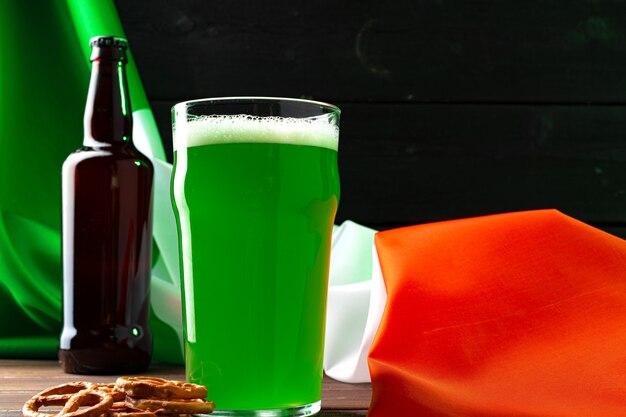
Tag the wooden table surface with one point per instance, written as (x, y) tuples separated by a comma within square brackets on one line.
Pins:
[(21, 379)]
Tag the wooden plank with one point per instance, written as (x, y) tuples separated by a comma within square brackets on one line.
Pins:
[(428, 50), (21, 379), (415, 163)]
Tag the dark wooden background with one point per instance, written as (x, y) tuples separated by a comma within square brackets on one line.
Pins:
[(451, 108)]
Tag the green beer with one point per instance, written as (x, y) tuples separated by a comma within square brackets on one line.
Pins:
[(255, 199)]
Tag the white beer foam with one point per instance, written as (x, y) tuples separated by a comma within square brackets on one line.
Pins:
[(213, 130)]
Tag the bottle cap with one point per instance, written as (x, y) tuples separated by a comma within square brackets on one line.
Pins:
[(106, 48), (101, 41)]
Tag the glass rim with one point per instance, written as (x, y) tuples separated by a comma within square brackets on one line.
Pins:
[(234, 99)]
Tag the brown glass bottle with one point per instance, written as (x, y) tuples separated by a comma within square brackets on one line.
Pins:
[(107, 230)]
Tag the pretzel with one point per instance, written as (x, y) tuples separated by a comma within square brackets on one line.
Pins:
[(131, 413), (63, 392), (119, 405), (98, 402), (173, 398), (149, 387), (185, 406), (111, 389), (57, 395), (119, 409)]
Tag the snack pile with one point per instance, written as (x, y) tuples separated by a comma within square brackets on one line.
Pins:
[(127, 397)]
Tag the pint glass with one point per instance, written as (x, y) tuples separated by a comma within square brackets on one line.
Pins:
[(255, 190)]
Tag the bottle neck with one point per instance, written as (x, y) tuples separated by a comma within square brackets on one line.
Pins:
[(108, 115)]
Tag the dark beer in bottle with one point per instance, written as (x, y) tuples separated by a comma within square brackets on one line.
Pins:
[(107, 230)]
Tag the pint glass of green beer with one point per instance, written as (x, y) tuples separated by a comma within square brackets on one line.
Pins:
[(255, 190)]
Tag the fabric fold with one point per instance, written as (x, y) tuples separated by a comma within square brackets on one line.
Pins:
[(345, 358), (520, 314)]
